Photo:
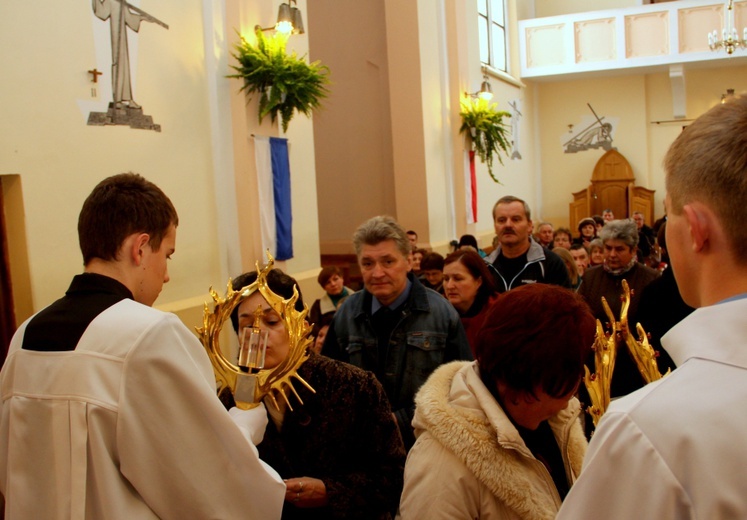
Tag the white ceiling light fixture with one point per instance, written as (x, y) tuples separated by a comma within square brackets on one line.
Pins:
[(729, 40)]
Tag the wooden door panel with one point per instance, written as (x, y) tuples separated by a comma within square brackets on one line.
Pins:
[(613, 196), (612, 186)]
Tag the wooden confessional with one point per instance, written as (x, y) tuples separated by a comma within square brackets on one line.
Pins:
[(612, 186)]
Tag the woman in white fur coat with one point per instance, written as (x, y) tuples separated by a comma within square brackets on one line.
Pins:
[(500, 437)]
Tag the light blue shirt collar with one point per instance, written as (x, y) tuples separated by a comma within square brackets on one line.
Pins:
[(734, 298), (402, 298)]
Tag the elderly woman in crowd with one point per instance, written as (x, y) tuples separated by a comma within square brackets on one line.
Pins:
[(340, 452), (330, 279), (620, 238), (500, 437), (468, 285)]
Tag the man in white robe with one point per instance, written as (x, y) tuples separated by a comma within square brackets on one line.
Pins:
[(109, 407), (674, 449)]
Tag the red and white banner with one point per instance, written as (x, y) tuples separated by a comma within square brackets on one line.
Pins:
[(470, 187)]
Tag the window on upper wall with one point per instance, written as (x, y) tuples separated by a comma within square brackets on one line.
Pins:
[(491, 19)]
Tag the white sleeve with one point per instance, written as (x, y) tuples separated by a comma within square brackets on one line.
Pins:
[(251, 423), (177, 445), (624, 477)]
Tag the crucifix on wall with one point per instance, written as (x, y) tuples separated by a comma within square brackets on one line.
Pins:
[(516, 116), (123, 110)]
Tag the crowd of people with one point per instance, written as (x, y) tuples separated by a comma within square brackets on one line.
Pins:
[(444, 387)]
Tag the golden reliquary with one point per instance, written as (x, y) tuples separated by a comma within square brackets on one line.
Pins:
[(605, 353), (246, 379)]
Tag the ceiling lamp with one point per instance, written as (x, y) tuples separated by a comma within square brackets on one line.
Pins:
[(729, 37), (485, 92), (289, 19)]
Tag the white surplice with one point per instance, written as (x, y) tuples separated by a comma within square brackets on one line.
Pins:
[(125, 426)]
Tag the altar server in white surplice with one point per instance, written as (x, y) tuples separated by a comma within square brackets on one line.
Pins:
[(675, 448), (109, 407)]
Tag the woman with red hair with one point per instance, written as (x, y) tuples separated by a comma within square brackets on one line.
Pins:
[(500, 437)]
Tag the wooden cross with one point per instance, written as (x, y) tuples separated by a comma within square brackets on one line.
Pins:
[(95, 73)]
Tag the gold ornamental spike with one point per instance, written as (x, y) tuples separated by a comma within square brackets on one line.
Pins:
[(598, 383), (605, 353), (250, 389), (641, 351)]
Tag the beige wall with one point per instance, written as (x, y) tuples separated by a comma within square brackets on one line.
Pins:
[(703, 89), (386, 140), (518, 177), (637, 101), (411, 85), (203, 158), (352, 133), (450, 67), (45, 140), (563, 103), (409, 159)]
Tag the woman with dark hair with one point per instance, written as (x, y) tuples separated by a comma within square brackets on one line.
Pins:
[(417, 257), (587, 231), (500, 437), (467, 241), (330, 279), (432, 271), (339, 451), (319, 331), (468, 285)]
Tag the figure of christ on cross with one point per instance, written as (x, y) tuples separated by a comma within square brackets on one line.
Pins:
[(122, 16)]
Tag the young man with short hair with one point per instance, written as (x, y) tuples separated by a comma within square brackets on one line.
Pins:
[(672, 449), (109, 408), (581, 256)]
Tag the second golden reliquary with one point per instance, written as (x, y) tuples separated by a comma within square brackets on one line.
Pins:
[(605, 354), (246, 378)]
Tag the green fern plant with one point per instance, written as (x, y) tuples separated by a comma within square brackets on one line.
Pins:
[(285, 82), (483, 125)]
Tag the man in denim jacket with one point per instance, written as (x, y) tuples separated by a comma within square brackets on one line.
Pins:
[(395, 328)]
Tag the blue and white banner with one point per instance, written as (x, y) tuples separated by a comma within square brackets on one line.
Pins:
[(273, 178)]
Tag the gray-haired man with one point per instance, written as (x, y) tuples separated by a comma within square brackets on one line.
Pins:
[(395, 327)]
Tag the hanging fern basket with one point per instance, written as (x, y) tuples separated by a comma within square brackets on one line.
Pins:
[(483, 126), (285, 83)]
